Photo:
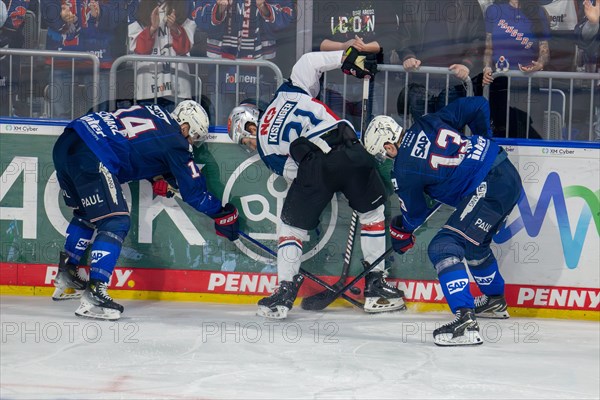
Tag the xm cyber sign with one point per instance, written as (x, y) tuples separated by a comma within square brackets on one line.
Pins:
[(553, 234)]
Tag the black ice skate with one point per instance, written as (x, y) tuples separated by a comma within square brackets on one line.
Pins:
[(463, 331), (96, 303), (491, 307), (281, 301), (381, 296), (68, 283)]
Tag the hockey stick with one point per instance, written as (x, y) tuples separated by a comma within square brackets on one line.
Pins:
[(307, 274), (322, 299), (368, 267)]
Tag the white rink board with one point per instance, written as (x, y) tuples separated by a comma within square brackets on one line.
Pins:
[(559, 244)]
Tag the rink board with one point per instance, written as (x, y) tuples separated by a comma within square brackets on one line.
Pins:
[(548, 249)]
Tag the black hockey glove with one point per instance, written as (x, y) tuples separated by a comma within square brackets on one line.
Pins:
[(359, 64), (402, 241), (226, 222)]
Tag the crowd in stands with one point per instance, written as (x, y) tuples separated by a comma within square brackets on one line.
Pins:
[(473, 39)]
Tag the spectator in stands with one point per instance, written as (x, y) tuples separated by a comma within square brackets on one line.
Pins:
[(562, 16), (517, 33), (162, 28), (367, 27), (12, 18), (242, 29), (85, 26), (588, 40), (448, 34)]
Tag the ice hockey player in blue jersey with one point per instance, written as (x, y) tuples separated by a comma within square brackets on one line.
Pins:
[(302, 139), (96, 154), (433, 159)]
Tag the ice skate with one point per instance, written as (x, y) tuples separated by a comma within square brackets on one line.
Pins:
[(380, 296), (96, 303), (69, 285), (491, 307), (463, 331), (281, 301)]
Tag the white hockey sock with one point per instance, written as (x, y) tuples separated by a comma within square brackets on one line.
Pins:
[(372, 243), (289, 251), (372, 235)]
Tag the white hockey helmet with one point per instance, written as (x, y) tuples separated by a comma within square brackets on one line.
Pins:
[(191, 112), (238, 118), (381, 130)]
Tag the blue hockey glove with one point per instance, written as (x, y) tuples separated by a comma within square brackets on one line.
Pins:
[(226, 222), (402, 241)]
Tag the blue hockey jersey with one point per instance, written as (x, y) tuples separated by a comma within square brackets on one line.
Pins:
[(144, 142), (435, 159)]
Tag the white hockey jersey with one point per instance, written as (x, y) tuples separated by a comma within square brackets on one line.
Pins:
[(295, 112), (165, 84)]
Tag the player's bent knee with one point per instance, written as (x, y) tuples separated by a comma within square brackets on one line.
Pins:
[(117, 225), (445, 246), (478, 256)]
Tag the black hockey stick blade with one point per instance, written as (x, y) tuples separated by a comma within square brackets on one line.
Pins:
[(329, 297), (321, 300)]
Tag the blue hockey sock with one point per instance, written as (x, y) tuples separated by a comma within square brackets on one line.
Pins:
[(79, 234), (104, 255), (488, 277), (455, 285)]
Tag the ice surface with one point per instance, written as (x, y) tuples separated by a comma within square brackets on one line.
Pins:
[(205, 351)]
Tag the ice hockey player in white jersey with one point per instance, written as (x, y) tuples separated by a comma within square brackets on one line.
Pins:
[(300, 138)]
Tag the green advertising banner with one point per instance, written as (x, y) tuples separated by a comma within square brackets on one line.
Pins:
[(168, 234)]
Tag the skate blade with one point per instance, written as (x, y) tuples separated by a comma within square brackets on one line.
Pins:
[(66, 294), (493, 315), (266, 312), (379, 304), (89, 310), (470, 338)]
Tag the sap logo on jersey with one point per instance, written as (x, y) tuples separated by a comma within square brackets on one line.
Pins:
[(484, 226), (457, 285), (485, 280), (421, 147), (97, 255), (82, 244)]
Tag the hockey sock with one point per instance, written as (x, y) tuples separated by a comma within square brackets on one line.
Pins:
[(79, 234), (104, 255), (487, 276), (455, 285), (372, 242), (289, 253)]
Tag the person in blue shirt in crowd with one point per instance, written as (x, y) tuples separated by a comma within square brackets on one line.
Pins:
[(98, 152), (434, 160), (95, 27)]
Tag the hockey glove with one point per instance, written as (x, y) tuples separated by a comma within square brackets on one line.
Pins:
[(402, 241), (162, 188), (226, 222), (359, 64)]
